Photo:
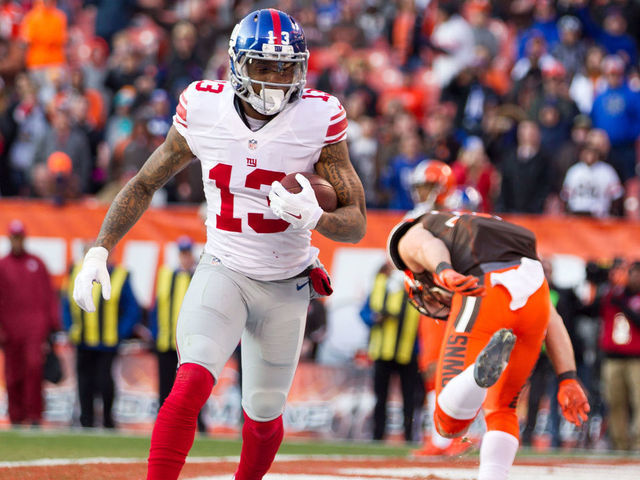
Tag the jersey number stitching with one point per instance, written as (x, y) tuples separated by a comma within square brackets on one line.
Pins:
[(211, 87), (221, 175)]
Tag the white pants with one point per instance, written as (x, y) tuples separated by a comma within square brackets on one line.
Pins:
[(221, 307)]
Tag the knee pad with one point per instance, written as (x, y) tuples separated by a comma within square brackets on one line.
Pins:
[(191, 388), (450, 427), (504, 420), (263, 405)]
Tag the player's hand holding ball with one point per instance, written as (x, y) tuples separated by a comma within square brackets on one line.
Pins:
[(301, 210), (94, 268)]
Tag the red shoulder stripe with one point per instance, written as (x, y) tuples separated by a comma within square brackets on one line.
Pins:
[(337, 128), (337, 115), (176, 119), (181, 112), (336, 140)]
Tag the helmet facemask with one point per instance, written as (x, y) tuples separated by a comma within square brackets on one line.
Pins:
[(271, 98), (429, 299), (425, 193)]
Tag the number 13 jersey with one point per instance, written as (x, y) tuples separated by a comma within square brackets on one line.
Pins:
[(239, 165)]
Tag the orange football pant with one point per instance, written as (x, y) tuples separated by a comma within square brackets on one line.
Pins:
[(471, 323)]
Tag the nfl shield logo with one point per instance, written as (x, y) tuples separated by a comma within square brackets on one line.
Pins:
[(253, 144)]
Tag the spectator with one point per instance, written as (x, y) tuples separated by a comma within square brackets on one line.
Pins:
[(395, 179), (44, 31), (472, 168), (567, 154), (589, 81), (617, 111), (29, 313), (112, 16), (392, 347), (440, 142), (11, 49), (555, 90), (620, 342), (536, 56), (470, 97), (525, 174), (97, 337), (571, 50), (125, 70), (363, 148), (612, 35), (454, 38), (183, 65), (544, 24), (120, 123), (64, 136), (171, 286), (591, 186), (30, 126), (479, 18)]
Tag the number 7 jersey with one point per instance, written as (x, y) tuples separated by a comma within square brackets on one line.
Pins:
[(239, 165)]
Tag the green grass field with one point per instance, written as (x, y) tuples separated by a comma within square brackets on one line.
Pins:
[(18, 445)]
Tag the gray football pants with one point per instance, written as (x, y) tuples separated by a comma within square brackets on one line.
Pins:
[(222, 307)]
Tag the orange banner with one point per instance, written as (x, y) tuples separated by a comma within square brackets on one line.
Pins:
[(584, 237)]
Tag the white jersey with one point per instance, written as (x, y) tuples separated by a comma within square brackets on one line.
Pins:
[(591, 188), (239, 165)]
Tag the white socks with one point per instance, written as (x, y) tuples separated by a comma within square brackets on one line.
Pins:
[(497, 452), (461, 398), (436, 439)]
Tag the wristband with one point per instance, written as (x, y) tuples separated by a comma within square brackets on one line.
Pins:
[(571, 374), (443, 266)]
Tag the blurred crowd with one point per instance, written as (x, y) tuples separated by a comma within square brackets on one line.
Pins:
[(535, 103)]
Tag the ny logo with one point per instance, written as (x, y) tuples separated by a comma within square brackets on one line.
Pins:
[(252, 162)]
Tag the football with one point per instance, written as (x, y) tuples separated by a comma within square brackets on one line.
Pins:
[(326, 195)]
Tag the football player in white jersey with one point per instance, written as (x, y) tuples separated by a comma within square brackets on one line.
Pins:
[(253, 280)]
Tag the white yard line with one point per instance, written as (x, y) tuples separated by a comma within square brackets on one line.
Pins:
[(573, 471)]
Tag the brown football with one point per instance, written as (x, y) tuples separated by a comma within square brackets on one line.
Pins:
[(326, 195)]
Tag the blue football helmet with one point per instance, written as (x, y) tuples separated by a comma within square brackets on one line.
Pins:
[(272, 35), (464, 198)]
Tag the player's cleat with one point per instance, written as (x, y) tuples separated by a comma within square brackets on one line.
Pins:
[(458, 447), (428, 450), (493, 358)]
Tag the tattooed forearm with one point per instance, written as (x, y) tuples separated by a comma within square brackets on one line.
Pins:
[(348, 222), (134, 198)]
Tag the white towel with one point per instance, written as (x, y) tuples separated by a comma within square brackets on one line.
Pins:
[(521, 282)]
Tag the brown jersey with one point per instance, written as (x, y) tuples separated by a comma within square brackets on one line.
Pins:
[(475, 241)]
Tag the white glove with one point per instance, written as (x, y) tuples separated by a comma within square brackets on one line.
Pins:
[(94, 268), (299, 209)]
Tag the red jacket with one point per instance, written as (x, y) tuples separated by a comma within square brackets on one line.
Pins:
[(620, 332), (28, 302)]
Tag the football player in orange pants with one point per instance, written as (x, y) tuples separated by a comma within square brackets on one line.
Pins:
[(487, 271)]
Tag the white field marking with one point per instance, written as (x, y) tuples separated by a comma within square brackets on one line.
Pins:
[(517, 472), (287, 476)]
